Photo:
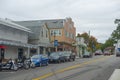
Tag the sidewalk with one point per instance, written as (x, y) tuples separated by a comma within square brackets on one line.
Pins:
[(115, 75)]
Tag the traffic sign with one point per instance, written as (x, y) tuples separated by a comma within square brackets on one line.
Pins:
[(55, 42)]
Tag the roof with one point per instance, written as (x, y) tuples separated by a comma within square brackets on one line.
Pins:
[(11, 24), (30, 23), (53, 23)]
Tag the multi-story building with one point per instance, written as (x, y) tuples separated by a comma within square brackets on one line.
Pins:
[(40, 35), (47, 31), (62, 30), (13, 40)]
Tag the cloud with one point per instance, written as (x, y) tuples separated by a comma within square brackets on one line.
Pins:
[(95, 15)]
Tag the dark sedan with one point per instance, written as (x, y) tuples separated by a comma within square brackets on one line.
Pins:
[(57, 57), (107, 53), (69, 56)]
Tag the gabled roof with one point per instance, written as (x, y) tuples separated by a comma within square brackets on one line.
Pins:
[(53, 23), (11, 24), (34, 23)]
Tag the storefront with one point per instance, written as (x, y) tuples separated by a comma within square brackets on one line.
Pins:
[(13, 50), (2, 51)]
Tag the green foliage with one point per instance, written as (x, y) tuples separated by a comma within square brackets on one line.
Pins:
[(91, 41), (108, 43), (114, 36)]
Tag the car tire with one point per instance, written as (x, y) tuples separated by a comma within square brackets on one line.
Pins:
[(47, 63), (32, 65), (40, 64), (58, 61), (73, 59), (26, 66)]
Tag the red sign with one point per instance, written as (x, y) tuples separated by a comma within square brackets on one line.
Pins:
[(2, 46)]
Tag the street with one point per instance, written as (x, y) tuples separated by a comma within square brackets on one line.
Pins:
[(96, 68)]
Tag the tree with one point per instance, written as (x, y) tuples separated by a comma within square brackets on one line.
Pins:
[(85, 36), (91, 41), (114, 36)]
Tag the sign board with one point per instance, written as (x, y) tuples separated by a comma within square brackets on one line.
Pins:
[(119, 49), (55, 42)]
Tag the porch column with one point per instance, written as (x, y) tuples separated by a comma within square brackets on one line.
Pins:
[(28, 55), (38, 50), (44, 50)]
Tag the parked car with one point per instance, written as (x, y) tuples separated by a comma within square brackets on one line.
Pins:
[(117, 54), (39, 60), (98, 52), (54, 57), (107, 53), (57, 57), (87, 54), (69, 56)]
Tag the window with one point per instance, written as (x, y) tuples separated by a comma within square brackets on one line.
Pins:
[(65, 33), (52, 33), (42, 32), (56, 32), (46, 33)]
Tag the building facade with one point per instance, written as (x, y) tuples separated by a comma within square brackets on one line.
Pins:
[(13, 40), (80, 46), (40, 35), (64, 31), (45, 32)]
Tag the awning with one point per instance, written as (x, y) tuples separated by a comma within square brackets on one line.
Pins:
[(46, 45), (1, 46), (16, 43)]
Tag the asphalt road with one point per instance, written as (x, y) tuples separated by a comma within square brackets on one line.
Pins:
[(96, 68)]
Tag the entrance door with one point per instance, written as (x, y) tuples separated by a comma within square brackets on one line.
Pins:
[(20, 53), (2, 52)]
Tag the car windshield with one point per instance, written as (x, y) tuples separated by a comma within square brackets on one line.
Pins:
[(67, 54), (35, 57), (54, 54)]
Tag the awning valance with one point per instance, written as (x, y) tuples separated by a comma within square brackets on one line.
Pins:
[(16, 43), (46, 45)]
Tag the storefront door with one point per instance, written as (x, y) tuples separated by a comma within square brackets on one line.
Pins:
[(20, 53), (2, 53)]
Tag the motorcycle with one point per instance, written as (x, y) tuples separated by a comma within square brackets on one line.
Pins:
[(23, 64), (10, 65)]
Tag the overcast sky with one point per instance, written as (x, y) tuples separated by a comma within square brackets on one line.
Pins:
[(96, 16)]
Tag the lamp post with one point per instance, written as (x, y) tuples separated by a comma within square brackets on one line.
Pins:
[(55, 42)]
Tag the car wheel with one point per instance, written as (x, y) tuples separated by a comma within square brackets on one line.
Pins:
[(32, 65), (59, 61), (40, 64), (73, 59), (47, 63), (26, 66)]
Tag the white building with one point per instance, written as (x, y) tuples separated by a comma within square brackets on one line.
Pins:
[(13, 40), (117, 46), (80, 46)]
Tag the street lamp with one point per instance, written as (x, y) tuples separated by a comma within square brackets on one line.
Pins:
[(55, 42)]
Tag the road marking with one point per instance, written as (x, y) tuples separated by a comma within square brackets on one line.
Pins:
[(69, 68)]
